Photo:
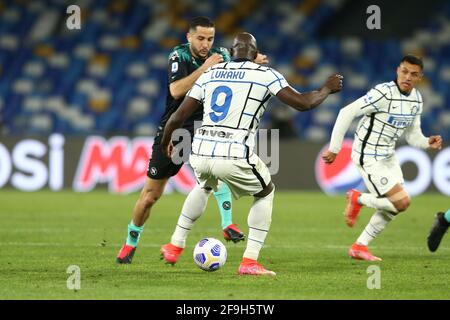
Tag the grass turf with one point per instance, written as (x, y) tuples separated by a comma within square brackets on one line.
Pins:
[(44, 233)]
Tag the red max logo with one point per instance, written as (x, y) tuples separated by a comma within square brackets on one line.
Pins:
[(122, 164)]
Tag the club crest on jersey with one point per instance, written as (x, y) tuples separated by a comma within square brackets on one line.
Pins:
[(400, 121)]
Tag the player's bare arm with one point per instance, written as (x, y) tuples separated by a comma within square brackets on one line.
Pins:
[(176, 120), (179, 88), (310, 100)]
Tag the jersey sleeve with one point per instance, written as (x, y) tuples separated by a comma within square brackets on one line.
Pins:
[(413, 134), (376, 100), (177, 67), (197, 91), (372, 102), (276, 82)]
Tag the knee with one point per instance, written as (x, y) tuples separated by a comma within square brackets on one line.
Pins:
[(402, 204), (149, 198)]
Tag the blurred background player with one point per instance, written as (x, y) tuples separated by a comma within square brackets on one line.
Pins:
[(186, 63), (440, 227), (389, 110), (235, 96)]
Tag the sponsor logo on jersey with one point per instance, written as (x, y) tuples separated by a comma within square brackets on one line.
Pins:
[(215, 133), (341, 175), (400, 121)]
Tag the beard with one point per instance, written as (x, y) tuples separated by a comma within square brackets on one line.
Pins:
[(199, 54)]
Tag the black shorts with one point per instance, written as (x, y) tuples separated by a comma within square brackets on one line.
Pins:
[(161, 167)]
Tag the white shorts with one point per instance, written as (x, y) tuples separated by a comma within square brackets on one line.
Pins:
[(243, 177), (382, 175)]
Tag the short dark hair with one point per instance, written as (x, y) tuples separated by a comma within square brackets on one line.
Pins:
[(413, 60), (200, 22)]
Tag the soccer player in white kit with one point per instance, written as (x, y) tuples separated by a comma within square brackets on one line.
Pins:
[(234, 95), (388, 111)]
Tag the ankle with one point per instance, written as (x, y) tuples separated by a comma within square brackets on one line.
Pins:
[(248, 261)]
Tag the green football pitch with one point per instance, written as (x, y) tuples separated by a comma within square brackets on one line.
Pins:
[(44, 233)]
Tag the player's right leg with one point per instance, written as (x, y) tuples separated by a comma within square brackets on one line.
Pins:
[(193, 208), (437, 232), (149, 195), (398, 201), (384, 181), (160, 169)]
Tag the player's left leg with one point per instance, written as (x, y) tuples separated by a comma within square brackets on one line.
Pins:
[(259, 220), (230, 230), (437, 232)]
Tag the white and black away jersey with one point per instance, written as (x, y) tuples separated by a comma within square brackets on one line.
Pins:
[(234, 96), (387, 115)]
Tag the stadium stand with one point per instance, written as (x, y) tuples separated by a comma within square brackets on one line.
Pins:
[(110, 76)]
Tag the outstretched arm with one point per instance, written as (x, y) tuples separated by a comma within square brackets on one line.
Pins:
[(176, 120), (310, 100), (343, 121)]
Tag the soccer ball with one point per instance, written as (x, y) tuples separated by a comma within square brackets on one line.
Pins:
[(210, 254)]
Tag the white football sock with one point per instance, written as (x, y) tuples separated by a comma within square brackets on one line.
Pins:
[(372, 201), (193, 208), (258, 220), (376, 224)]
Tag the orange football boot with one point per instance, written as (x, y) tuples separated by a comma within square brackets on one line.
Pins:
[(360, 252), (252, 267), (170, 253), (353, 207)]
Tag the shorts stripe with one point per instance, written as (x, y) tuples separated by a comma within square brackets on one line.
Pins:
[(374, 186), (255, 172)]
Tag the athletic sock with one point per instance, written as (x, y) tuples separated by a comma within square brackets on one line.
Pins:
[(374, 202), (259, 220), (134, 234), (375, 226), (193, 208), (447, 216), (223, 197)]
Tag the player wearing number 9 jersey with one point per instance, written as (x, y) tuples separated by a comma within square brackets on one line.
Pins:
[(234, 96), (186, 63)]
